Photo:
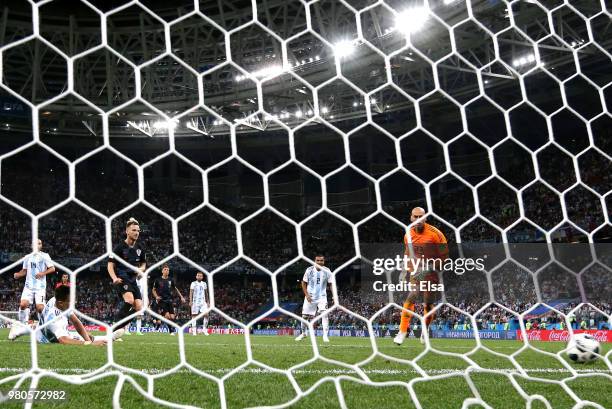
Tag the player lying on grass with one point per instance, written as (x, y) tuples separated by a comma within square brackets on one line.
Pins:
[(54, 323), (428, 243), (314, 285)]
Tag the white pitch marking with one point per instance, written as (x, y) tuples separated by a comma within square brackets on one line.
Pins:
[(152, 371)]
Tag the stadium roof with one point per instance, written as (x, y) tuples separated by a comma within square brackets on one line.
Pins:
[(105, 75)]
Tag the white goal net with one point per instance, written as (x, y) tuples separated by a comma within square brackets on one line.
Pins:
[(249, 137)]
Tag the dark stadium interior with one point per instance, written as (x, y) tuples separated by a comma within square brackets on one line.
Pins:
[(527, 177)]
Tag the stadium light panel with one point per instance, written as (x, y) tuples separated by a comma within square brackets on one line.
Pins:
[(344, 48), (524, 60), (411, 20), (272, 70), (164, 124)]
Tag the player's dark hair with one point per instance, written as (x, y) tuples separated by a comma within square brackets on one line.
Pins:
[(62, 293), (166, 266), (132, 222)]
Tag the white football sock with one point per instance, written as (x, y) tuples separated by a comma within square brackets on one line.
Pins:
[(303, 326), (20, 331), (24, 315), (325, 322), (138, 323)]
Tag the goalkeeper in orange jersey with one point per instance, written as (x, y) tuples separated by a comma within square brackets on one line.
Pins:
[(429, 250)]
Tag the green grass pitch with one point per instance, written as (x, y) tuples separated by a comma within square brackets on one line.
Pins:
[(443, 386)]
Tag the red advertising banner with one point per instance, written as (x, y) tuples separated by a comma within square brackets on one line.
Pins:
[(563, 335), (89, 328), (226, 331)]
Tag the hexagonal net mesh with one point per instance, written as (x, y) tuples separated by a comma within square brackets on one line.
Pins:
[(248, 137)]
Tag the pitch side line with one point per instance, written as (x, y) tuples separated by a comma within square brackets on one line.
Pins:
[(153, 371), (306, 344)]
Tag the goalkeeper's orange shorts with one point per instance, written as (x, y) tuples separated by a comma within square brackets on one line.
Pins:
[(432, 277)]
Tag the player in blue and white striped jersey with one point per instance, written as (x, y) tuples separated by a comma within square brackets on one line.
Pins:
[(53, 324), (35, 268), (314, 285), (197, 302)]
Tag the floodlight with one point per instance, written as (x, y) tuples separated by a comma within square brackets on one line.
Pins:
[(344, 48), (411, 20)]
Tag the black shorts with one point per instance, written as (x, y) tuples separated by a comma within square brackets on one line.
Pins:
[(129, 285), (165, 306)]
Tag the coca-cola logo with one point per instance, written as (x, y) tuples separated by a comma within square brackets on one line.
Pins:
[(534, 335), (559, 335), (601, 336)]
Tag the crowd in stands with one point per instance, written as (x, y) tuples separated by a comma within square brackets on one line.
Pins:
[(97, 299), (83, 238), (210, 240)]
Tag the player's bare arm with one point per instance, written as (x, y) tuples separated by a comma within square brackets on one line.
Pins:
[(79, 327), (181, 295), (141, 269), (70, 341), (154, 291), (305, 290), (111, 271), (20, 274), (41, 274)]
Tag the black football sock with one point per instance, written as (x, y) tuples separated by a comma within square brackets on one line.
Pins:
[(123, 312)]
